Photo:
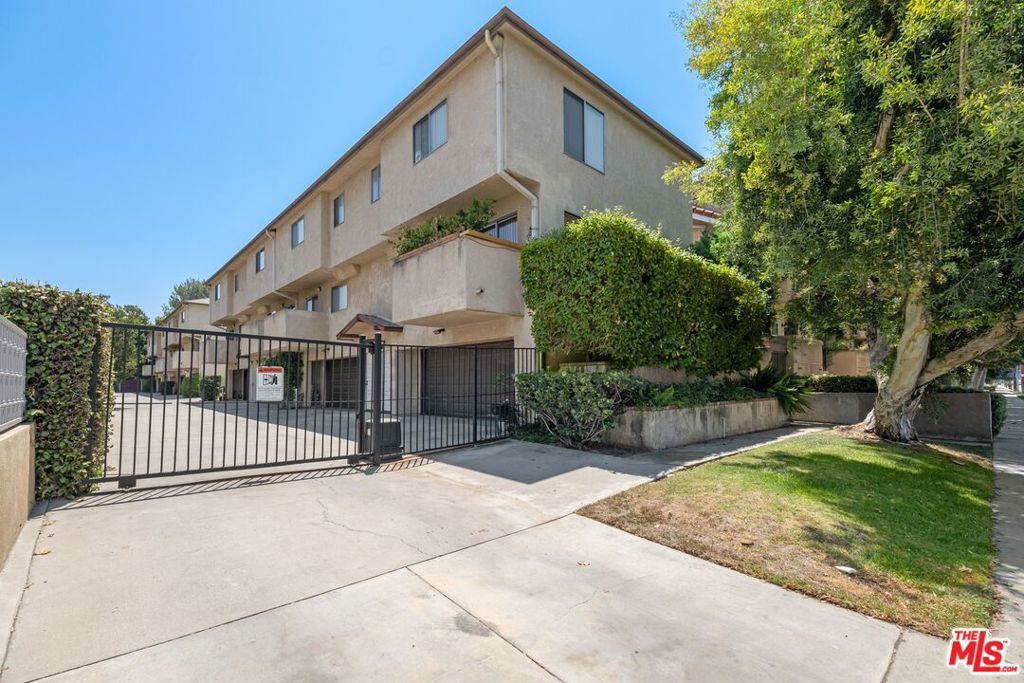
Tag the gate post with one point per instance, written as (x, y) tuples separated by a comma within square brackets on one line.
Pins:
[(360, 403), (476, 389), (94, 399), (378, 395)]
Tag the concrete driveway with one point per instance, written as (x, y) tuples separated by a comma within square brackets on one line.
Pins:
[(466, 567)]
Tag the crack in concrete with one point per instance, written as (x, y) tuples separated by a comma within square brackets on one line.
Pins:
[(329, 520)]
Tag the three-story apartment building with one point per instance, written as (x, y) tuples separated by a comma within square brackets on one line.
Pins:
[(174, 355), (508, 117)]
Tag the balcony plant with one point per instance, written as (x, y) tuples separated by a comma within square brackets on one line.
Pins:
[(478, 215)]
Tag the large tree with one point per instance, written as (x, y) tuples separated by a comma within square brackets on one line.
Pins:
[(871, 151), (192, 288)]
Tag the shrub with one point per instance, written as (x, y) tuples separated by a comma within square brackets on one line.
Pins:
[(700, 394), (475, 217), (842, 383), (575, 407), (999, 408), (63, 331), (210, 388), (610, 289)]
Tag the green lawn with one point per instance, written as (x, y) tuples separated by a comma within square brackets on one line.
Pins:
[(914, 521)]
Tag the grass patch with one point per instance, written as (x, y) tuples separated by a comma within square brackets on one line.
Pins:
[(914, 521)]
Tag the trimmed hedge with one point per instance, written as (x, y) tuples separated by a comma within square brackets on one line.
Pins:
[(62, 328), (999, 409), (577, 407), (611, 289), (208, 387)]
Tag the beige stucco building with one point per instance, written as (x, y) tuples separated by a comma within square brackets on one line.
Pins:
[(174, 355), (508, 117)]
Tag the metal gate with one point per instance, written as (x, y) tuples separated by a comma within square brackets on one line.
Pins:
[(172, 401)]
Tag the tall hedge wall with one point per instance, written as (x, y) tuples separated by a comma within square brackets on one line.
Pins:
[(62, 329), (608, 287)]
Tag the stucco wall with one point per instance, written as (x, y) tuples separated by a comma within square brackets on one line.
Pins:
[(17, 483), (635, 157), (965, 417), (657, 428)]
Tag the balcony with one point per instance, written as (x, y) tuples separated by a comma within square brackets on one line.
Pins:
[(460, 279), (296, 324)]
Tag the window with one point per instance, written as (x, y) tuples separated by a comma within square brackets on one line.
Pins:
[(583, 127), (569, 218), (339, 298), (375, 184), (216, 292), (339, 209), (298, 232), (237, 282), (261, 260), (181, 317), (311, 304), (430, 132), (506, 228)]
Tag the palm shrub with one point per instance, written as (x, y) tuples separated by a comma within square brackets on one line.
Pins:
[(791, 391)]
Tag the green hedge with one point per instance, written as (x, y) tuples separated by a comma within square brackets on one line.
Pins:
[(611, 289), (62, 328), (842, 383), (577, 407), (999, 409), (209, 387)]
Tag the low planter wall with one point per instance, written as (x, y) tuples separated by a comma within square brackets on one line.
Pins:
[(964, 417), (17, 483), (657, 428)]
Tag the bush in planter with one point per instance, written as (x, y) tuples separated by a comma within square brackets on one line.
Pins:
[(577, 407), (609, 288), (790, 391), (476, 216)]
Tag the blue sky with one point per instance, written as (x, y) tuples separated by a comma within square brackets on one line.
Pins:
[(142, 143)]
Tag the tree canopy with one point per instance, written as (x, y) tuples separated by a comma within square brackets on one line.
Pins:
[(872, 153), (192, 288)]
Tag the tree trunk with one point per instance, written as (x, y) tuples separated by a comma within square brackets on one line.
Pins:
[(978, 378), (893, 418), (899, 390)]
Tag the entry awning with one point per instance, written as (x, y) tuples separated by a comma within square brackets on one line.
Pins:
[(366, 322)]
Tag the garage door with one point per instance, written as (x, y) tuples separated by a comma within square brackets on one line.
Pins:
[(448, 386), (341, 377)]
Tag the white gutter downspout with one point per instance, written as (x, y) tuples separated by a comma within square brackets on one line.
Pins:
[(499, 106)]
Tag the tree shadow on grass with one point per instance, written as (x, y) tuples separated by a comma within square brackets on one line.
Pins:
[(911, 511)]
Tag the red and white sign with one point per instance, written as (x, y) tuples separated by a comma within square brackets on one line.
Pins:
[(270, 383), (979, 652)]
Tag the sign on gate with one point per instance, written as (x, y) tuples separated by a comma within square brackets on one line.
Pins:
[(270, 383)]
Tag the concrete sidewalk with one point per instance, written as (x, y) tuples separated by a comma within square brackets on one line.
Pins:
[(467, 567)]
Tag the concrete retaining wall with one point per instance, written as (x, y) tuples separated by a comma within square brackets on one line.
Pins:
[(17, 483), (965, 417), (657, 428)]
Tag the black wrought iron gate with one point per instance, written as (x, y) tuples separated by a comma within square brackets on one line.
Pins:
[(173, 401)]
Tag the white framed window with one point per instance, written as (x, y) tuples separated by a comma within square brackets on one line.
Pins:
[(339, 209), (506, 228), (375, 184), (583, 129), (339, 298), (216, 292), (430, 132), (312, 304), (298, 232), (261, 260)]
